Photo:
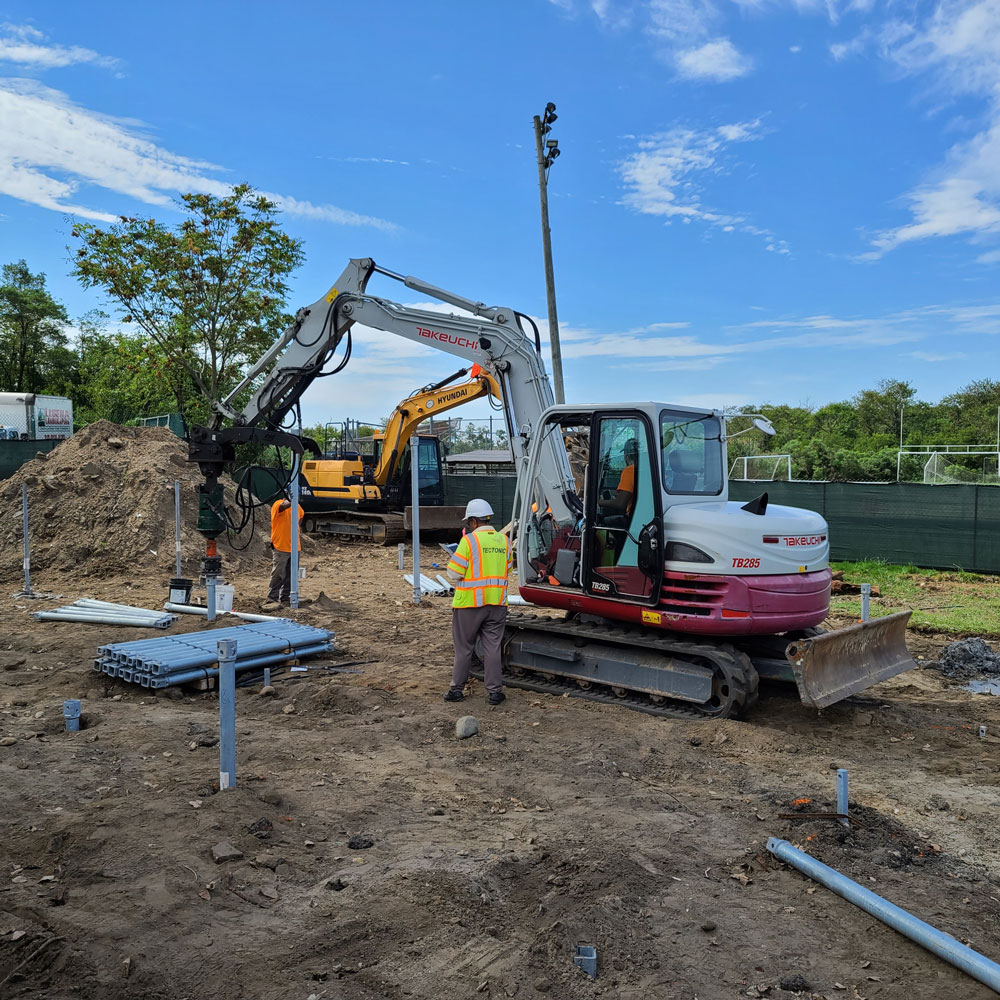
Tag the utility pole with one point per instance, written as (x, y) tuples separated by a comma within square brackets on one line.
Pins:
[(547, 151)]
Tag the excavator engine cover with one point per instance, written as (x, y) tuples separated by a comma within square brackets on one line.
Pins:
[(834, 665)]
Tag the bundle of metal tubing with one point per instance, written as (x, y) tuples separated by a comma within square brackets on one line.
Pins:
[(181, 659), (94, 612)]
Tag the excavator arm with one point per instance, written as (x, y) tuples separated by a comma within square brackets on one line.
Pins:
[(429, 402), (491, 336)]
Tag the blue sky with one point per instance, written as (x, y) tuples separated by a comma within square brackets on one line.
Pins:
[(757, 200)]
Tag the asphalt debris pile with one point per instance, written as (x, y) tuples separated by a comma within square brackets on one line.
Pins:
[(968, 658), (102, 504)]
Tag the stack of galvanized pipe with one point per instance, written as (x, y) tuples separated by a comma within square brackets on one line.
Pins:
[(182, 659), (93, 612)]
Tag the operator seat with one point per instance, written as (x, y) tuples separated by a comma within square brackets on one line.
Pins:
[(683, 478)]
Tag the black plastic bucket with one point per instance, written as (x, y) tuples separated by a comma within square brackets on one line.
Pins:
[(180, 590)]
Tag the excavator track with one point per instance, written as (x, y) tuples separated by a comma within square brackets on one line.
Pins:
[(380, 529), (631, 667)]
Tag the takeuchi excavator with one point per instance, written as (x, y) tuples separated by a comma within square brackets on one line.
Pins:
[(675, 600), (363, 496)]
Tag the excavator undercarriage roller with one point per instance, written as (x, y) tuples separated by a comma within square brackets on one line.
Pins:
[(382, 529), (654, 672)]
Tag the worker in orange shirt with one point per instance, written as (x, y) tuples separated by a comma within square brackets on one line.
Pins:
[(622, 500), (280, 586)]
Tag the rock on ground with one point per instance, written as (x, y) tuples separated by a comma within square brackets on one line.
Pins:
[(466, 726)]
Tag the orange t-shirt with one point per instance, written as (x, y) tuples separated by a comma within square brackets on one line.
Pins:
[(626, 484), (281, 527)]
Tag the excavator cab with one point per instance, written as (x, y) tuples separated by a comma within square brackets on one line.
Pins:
[(625, 523)]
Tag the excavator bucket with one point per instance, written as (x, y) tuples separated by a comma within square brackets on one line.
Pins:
[(835, 665)]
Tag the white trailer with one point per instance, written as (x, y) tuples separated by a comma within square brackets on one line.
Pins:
[(27, 416)]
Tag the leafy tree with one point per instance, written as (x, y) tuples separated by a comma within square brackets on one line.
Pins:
[(32, 337), (209, 293), (878, 410), (836, 424), (973, 411), (121, 376)]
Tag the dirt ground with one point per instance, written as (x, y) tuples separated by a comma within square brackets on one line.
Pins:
[(561, 823)]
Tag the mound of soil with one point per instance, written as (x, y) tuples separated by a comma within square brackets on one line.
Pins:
[(102, 504), (969, 658)]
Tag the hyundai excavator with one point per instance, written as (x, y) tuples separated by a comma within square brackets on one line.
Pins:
[(363, 496), (675, 600)]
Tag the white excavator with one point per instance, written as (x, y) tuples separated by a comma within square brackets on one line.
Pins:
[(676, 600)]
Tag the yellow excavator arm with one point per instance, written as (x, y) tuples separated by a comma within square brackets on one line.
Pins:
[(429, 402)]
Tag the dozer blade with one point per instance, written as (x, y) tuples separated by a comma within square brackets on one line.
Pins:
[(835, 665)]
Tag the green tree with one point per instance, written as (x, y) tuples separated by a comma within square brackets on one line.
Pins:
[(972, 412), (121, 376), (878, 410), (209, 293), (32, 338)]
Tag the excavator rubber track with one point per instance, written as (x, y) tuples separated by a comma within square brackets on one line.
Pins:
[(649, 671), (379, 529)]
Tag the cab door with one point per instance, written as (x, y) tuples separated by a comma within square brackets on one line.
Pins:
[(624, 551)]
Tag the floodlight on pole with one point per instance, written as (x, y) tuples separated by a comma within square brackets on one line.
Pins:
[(547, 152)]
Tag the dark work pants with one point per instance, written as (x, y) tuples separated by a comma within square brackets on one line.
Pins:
[(486, 624), (280, 587)]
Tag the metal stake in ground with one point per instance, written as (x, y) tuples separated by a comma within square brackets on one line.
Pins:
[(27, 549), (415, 506), (293, 593), (866, 593), (177, 521), (227, 713), (842, 795)]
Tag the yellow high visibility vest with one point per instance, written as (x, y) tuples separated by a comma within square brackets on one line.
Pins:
[(484, 560)]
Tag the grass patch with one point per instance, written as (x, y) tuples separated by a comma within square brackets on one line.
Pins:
[(952, 601)]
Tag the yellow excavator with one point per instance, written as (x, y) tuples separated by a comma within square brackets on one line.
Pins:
[(363, 496)]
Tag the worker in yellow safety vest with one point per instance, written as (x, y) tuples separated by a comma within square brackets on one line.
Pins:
[(479, 570)]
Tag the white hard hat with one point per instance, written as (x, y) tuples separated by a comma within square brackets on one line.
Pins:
[(478, 509)]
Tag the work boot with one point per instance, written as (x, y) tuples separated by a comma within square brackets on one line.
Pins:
[(496, 698), (454, 694)]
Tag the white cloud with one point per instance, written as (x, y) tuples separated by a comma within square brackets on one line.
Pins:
[(26, 46), (717, 60), (958, 46), (681, 21), (993, 257), (664, 176), (53, 148), (928, 356)]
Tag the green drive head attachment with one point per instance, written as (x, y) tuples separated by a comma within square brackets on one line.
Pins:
[(211, 512)]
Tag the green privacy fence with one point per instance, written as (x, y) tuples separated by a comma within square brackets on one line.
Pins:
[(13, 454), (497, 491), (940, 527)]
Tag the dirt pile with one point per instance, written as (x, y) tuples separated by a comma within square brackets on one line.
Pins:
[(969, 658), (102, 504)]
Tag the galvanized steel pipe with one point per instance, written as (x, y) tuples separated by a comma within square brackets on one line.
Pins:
[(941, 944), (55, 616)]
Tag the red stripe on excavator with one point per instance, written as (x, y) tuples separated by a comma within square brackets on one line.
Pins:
[(692, 603)]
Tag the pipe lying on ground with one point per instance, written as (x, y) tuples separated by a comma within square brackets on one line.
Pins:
[(165, 662), (197, 609), (90, 602), (186, 609), (98, 619), (941, 944)]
